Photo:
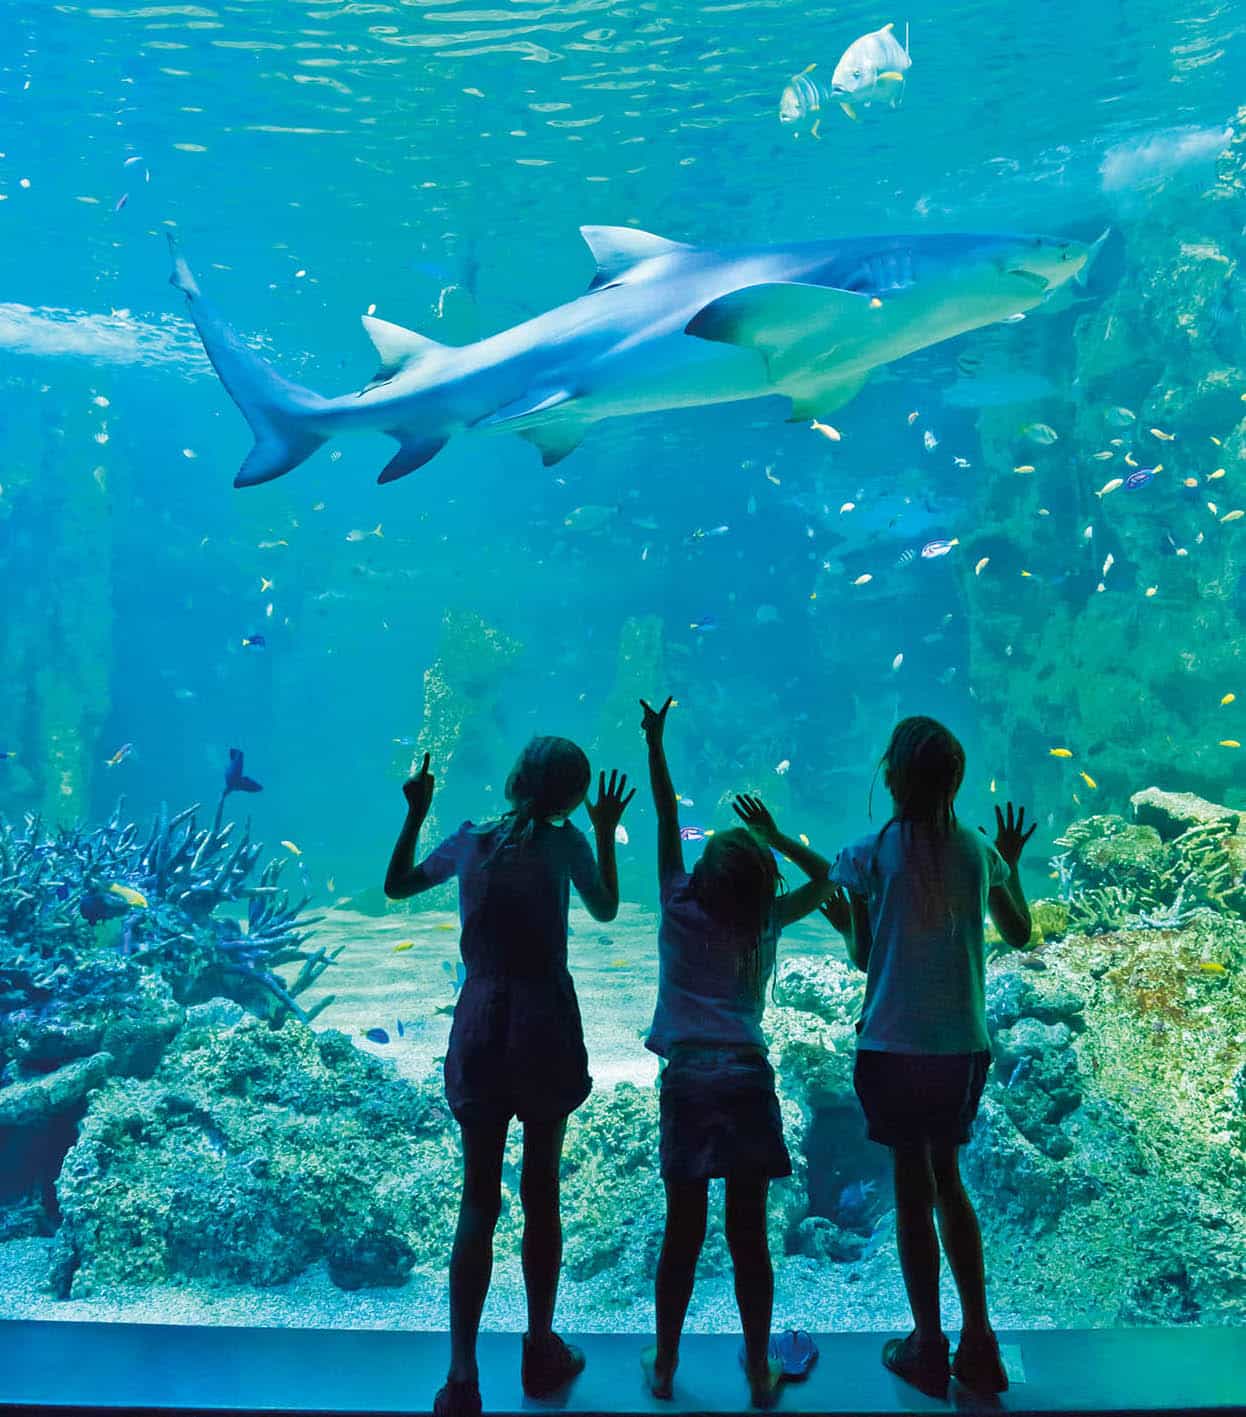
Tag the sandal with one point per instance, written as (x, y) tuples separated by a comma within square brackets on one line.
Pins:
[(549, 1365), (457, 1399), (794, 1350), (978, 1366), (924, 1365)]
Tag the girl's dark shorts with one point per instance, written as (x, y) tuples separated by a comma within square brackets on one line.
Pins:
[(909, 1098), (720, 1115), (516, 1050)]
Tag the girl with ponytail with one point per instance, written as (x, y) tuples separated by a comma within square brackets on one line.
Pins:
[(517, 1044), (917, 893)]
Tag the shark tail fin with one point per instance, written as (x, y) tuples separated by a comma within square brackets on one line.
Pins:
[(278, 410)]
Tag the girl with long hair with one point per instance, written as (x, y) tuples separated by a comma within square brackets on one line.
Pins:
[(719, 1110), (517, 1044), (917, 893)]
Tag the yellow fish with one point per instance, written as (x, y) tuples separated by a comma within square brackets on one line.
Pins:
[(1110, 486), (1131, 460), (130, 896), (403, 945), (1060, 752), (1229, 743), (1024, 467), (1189, 482), (1088, 780), (1150, 591), (1227, 699), (982, 565), (1027, 573), (833, 434), (1234, 516), (265, 584), (620, 963), (1162, 436), (444, 925), (330, 886), (290, 847), (1215, 476), (1210, 966)]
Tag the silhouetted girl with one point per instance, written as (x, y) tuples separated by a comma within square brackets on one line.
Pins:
[(516, 1046), (917, 894), (719, 1112)]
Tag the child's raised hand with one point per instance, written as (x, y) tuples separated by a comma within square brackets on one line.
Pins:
[(653, 724), (418, 790), (755, 815), (837, 910), (1010, 835), (611, 802)]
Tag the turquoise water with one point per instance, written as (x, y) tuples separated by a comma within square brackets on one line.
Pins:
[(432, 162)]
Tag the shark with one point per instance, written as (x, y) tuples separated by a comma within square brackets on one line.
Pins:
[(663, 325)]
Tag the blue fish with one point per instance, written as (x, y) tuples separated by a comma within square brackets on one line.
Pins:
[(234, 779), (1139, 478), (691, 834), (457, 973), (401, 1030), (376, 1035), (703, 625), (254, 642), (6, 754)]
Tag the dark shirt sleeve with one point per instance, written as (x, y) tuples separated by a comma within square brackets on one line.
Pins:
[(445, 859)]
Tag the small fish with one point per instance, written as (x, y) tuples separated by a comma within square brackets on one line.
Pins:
[(1108, 562), (1140, 478), (1130, 460), (906, 557), (1189, 482), (121, 201), (1020, 1070), (1229, 743), (458, 974), (620, 963), (684, 801), (1210, 966), (402, 946), (1213, 509), (897, 661), (691, 834), (1024, 467), (1041, 433), (130, 896), (871, 70), (1088, 780), (1215, 476), (358, 535), (1110, 486), (1104, 456), (941, 547), (847, 507), (929, 441), (6, 754), (703, 625), (375, 1035), (130, 161), (1161, 435), (864, 579), (803, 839), (1228, 699), (1234, 516), (254, 642), (981, 565), (1120, 417), (833, 434), (265, 584), (960, 462), (620, 834), (445, 925), (272, 545), (992, 788), (1150, 591), (1060, 752), (291, 848), (782, 767), (234, 779), (913, 417), (119, 756)]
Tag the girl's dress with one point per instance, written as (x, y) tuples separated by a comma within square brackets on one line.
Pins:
[(517, 1042)]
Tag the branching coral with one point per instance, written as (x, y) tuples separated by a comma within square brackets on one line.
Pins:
[(75, 904)]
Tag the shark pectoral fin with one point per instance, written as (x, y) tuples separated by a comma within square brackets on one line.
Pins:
[(397, 347), (826, 398), (412, 453), (774, 317), (616, 249), (535, 401), (555, 440)]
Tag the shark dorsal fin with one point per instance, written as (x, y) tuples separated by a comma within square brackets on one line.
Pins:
[(616, 249), (396, 346)]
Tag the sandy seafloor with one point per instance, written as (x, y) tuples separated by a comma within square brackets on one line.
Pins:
[(615, 969)]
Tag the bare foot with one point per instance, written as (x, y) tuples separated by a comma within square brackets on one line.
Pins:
[(763, 1384), (661, 1380)]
